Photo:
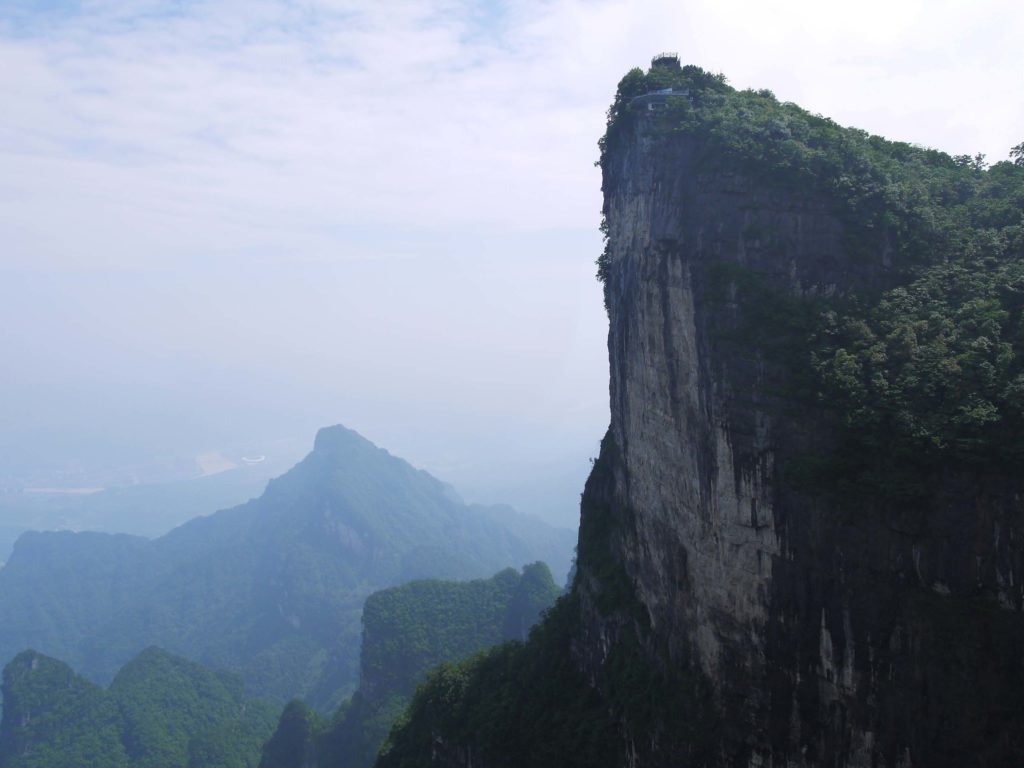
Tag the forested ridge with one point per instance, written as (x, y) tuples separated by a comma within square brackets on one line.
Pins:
[(407, 631), (160, 711)]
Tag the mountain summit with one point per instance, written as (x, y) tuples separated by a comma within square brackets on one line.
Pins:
[(272, 589)]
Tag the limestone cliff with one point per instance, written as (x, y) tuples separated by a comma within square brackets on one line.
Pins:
[(801, 544), (875, 635)]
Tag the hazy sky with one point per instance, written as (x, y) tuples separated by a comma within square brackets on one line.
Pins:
[(239, 220)]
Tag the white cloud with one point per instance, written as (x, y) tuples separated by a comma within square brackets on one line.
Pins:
[(282, 123), (386, 213)]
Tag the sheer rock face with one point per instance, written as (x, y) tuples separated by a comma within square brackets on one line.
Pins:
[(882, 638)]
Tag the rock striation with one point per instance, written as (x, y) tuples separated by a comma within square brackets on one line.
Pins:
[(885, 636)]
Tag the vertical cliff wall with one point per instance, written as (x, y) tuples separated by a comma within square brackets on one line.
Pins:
[(875, 631), (801, 544)]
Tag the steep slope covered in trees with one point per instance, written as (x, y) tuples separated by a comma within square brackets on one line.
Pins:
[(272, 589), (802, 542), (407, 631)]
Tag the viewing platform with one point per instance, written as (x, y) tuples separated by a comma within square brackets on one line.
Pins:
[(656, 101)]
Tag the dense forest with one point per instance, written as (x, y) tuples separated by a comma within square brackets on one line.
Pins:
[(160, 711), (407, 631), (163, 711)]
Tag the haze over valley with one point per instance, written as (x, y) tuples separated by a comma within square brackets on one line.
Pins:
[(493, 383)]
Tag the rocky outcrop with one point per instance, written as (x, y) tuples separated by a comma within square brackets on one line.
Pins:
[(882, 636)]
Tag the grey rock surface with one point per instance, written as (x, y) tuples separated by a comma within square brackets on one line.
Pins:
[(872, 639)]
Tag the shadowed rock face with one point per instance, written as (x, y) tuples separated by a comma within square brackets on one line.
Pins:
[(889, 636)]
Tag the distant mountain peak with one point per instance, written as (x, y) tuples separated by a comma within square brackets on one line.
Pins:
[(27, 659), (340, 438), (272, 589)]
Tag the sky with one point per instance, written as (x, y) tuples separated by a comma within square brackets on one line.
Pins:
[(228, 223)]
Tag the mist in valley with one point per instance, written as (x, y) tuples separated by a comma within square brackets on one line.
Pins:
[(304, 360)]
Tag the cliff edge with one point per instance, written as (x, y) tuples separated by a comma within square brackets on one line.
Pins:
[(801, 544)]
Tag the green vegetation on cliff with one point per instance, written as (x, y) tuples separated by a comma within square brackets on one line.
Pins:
[(160, 712), (899, 364), (411, 628), (923, 364), (517, 704), (407, 631)]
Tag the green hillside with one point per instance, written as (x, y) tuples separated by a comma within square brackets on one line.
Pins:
[(407, 631), (160, 712)]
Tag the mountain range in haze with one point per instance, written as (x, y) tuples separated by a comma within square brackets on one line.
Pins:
[(272, 589)]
